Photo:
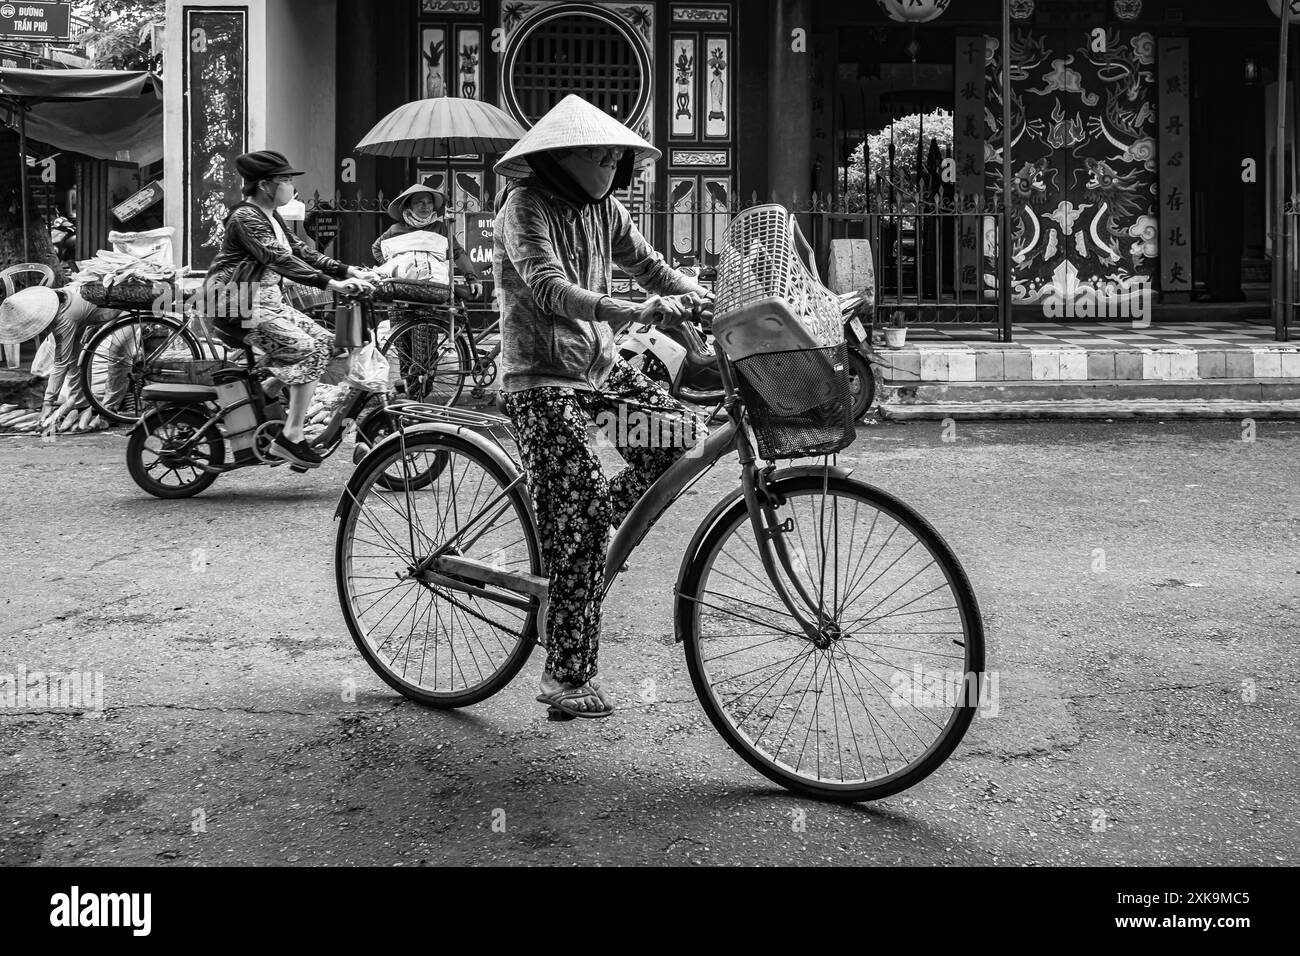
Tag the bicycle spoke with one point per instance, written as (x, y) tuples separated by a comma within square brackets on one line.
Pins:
[(443, 641), (835, 708)]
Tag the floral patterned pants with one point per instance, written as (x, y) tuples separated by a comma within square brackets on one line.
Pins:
[(297, 348), (576, 504)]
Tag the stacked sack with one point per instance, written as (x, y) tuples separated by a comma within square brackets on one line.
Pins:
[(15, 419), (324, 402), (134, 272)]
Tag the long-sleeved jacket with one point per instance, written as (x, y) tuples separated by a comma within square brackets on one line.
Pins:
[(552, 263), (249, 237), (464, 265)]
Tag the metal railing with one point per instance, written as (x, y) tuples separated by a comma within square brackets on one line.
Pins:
[(937, 262), (1287, 245)]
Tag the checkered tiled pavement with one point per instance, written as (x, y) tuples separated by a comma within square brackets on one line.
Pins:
[(1116, 335), (1098, 351)]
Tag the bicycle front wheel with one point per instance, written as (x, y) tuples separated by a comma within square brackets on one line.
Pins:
[(126, 355), (880, 699), (437, 644), (428, 364)]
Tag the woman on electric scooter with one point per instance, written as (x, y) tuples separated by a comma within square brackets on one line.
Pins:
[(257, 252)]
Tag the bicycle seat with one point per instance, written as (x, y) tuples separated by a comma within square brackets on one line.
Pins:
[(178, 393), (234, 339)]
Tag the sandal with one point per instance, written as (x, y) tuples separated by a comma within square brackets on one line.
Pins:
[(559, 706)]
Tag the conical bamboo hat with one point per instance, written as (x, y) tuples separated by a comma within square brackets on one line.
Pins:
[(571, 122)]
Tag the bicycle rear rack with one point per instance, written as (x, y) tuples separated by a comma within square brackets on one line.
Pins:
[(425, 412)]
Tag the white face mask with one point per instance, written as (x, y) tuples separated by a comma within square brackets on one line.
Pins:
[(594, 178), (283, 193)]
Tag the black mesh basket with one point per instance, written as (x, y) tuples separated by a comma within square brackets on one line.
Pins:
[(412, 290), (798, 402)]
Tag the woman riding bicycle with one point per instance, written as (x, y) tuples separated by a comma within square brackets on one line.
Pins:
[(558, 232), (257, 252)]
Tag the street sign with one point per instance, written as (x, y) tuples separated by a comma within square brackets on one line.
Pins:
[(133, 205), (478, 240), (50, 22), (324, 226), (14, 61)]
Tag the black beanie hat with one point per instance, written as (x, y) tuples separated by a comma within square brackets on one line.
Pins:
[(263, 164)]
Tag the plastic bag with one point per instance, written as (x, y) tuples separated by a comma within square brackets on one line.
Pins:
[(43, 362), (154, 245), (368, 370)]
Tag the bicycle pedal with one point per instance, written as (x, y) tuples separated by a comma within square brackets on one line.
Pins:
[(555, 714)]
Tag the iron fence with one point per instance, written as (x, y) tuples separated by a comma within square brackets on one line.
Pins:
[(939, 263), (1286, 281)]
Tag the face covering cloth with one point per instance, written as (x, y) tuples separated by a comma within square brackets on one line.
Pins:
[(411, 219), (557, 176)]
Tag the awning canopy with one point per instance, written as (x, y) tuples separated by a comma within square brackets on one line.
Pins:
[(78, 84), (108, 114)]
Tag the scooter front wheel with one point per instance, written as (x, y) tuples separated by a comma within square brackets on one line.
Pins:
[(156, 462)]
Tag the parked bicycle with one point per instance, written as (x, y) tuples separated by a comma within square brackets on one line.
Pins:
[(806, 600), (432, 345), (122, 357)]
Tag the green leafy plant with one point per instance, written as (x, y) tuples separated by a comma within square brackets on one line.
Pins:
[(905, 132), (121, 33)]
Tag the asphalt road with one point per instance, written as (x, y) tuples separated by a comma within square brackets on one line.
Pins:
[(1140, 584)]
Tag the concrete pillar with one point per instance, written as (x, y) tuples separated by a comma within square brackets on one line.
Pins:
[(357, 52), (789, 120)]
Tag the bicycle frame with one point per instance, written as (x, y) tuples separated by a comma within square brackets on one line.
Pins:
[(349, 408), (467, 574)]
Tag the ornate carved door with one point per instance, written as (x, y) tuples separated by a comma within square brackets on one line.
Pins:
[(1083, 162)]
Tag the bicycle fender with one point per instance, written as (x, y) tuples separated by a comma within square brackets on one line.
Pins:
[(486, 445), (726, 503)]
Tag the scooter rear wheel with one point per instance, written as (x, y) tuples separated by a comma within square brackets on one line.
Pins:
[(862, 385), (151, 458)]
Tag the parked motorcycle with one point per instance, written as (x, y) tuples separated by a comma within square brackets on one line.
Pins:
[(682, 360), (854, 307), (679, 359)]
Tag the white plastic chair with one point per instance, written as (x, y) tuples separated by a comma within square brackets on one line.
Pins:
[(10, 282)]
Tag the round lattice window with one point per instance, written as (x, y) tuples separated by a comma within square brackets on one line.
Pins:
[(588, 52)]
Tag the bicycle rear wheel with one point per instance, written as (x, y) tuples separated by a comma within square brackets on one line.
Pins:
[(126, 355), (879, 701), (435, 644), (426, 363)]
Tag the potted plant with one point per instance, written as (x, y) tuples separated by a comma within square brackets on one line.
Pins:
[(896, 330)]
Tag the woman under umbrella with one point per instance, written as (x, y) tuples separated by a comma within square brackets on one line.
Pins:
[(419, 209)]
